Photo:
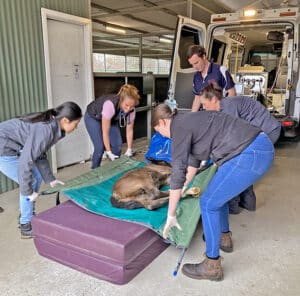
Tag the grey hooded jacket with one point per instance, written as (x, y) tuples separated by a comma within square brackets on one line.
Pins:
[(29, 142)]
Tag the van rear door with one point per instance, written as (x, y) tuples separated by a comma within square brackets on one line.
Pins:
[(180, 87)]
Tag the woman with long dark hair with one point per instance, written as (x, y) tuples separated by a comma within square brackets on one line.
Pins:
[(24, 142)]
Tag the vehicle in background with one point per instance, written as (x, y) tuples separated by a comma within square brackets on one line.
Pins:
[(260, 48)]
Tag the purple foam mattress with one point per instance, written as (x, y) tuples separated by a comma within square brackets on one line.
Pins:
[(106, 248)]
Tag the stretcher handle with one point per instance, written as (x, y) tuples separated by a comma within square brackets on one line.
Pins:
[(179, 261)]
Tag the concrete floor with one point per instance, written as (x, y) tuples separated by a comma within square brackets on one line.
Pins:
[(265, 260)]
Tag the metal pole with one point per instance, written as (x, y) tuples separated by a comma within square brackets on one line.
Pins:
[(140, 54), (149, 103), (189, 6), (236, 58)]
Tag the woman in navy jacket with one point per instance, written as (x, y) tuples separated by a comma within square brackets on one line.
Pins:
[(103, 119)]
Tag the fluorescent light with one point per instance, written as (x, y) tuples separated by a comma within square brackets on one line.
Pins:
[(116, 30), (249, 12), (165, 40)]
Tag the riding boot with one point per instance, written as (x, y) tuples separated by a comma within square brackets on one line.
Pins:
[(208, 269)]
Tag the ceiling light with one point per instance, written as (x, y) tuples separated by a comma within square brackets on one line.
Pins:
[(249, 12), (115, 30), (165, 40)]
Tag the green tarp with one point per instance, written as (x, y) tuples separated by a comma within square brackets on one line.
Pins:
[(92, 191)]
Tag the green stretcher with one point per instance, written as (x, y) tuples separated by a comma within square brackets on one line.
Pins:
[(92, 192)]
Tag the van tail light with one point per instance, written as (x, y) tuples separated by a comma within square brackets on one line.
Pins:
[(288, 13), (287, 123)]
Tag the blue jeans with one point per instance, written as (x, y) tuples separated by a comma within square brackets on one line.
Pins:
[(247, 198), (9, 167), (94, 129), (231, 178)]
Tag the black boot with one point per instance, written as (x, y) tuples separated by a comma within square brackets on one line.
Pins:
[(248, 199), (234, 207)]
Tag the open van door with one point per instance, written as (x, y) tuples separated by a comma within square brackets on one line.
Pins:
[(180, 88)]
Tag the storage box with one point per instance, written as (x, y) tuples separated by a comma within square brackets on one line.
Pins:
[(103, 247)]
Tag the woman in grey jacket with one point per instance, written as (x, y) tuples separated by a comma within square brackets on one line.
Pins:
[(246, 108), (24, 142), (243, 155)]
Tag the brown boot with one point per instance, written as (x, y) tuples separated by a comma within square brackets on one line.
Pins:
[(208, 269), (226, 243)]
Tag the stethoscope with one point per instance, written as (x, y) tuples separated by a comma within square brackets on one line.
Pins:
[(124, 119)]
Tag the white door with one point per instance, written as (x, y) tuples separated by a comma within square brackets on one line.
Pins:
[(67, 49), (181, 76)]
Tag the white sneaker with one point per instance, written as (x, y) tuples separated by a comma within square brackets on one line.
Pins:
[(104, 155)]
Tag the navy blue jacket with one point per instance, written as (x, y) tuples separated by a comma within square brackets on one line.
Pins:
[(94, 109)]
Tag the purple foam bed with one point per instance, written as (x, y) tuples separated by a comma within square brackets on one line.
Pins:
[(106, 248)]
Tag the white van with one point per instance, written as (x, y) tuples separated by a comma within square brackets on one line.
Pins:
[(260, 48)]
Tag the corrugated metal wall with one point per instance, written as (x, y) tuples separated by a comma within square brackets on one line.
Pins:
[(22, 71)]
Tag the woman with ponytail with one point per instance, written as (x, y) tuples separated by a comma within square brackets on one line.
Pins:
[(24, 142), (103, 119), (243, 155)]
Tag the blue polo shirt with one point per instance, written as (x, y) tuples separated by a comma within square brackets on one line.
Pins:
[(213, 73)]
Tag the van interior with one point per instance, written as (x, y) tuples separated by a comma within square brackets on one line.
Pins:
[(257, 58), (255, 54)]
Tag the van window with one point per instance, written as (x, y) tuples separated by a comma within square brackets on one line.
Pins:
[(188, 36), (268, 60), (218, 51)]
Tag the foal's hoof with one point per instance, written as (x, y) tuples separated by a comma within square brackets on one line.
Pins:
[(194, 191)]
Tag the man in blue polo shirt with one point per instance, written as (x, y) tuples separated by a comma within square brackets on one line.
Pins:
[(206, 72)]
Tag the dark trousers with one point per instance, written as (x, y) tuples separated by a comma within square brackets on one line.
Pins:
[(94, 129), (246, 200)]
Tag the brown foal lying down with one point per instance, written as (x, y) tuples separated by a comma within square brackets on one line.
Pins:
[(140, 188)]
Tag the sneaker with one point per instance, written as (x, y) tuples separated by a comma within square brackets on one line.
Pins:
[(26, 230), (33, 213)]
